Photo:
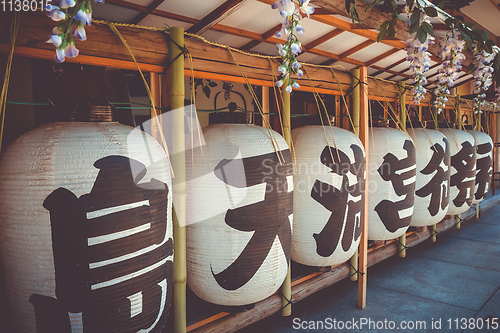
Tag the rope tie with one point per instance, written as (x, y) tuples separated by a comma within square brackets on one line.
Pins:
[(356, 271), (288, 301), (459, 219), (404, 247), (184, 52), (433, 232)]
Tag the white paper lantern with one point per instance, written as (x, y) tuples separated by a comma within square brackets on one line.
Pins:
[(484, 165), (433, 176), (391, 186), (328, 195), (463, 169), (239, 214), (86, 229)]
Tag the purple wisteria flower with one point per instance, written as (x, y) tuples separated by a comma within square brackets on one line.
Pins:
[(60, 55), (64, 4), (71, 51), (55, 13), (84, 16), (55, 39), (80, 33), (451, 47), (290, 27), (418, 56), (482, 77)]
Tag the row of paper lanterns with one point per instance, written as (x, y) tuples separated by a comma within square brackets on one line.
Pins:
[(86, 221)]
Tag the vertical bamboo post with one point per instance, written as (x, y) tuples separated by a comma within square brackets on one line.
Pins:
[(402, 120), (155, 86), (179, 182), (459, 126), (265, 105), (386, 110), (356, 95), (286, 287), (338, 111), (434, 226), (364, 137)]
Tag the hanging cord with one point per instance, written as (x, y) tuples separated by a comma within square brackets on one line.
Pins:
[(274, 142), (164, 143), (317, 97), (278, 104), (343, 97), (14, 28)]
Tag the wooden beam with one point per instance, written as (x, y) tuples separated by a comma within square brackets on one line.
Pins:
[(152, 6), (217, 15), (324, 38), (265, 36), (355, 49), (380, 57), (157, 12)]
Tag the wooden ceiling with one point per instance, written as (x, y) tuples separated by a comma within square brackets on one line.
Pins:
[(331, 37)]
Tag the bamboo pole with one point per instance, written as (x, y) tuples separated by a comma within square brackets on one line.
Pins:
[(155, 86), (434, 226), (364, 137), (459, 126), (356, 95), (179, 182), (286, 287), (402, 120), (265, 105)]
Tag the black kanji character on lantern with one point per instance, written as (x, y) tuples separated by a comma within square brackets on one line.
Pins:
[(483, 170), (436, 188), (266, 219), (349, 197), (110, 254), (401, 173), (464, 179)]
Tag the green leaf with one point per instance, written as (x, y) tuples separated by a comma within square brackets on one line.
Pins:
[(480, 34), (469, 24), (421, 35), (373, 4), (427, 28), (415, 17), (431, 11), (413, 28), (410, 3)]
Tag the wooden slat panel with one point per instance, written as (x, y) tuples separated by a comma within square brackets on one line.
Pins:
[(380, 57), (324, 38), (217, 15), (355, 49)]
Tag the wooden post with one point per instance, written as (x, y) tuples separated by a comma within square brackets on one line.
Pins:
[(364, 135), (355, 119), (155, 87), (179, 182), (458, 107), (402, 121), (265, 105), (338, 112), (286, 287), (433, 227), (386, 110)]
